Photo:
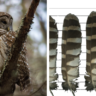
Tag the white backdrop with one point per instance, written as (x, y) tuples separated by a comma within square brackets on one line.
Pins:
[(58, 9)]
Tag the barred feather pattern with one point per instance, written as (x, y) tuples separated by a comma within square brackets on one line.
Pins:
[(3, 56), (52, 53), (71, 48), (22, 66), (91, 52), (3, 49)]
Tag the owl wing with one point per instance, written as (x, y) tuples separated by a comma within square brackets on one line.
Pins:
[(22, 66)]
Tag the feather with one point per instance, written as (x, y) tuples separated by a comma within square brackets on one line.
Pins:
[(71, 48), (52, 54), (3, 56), (22, 78), (90, 77)]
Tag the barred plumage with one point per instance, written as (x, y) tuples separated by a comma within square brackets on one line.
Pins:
[(71, 48), (91, 52), (52, 53), (7, 38)]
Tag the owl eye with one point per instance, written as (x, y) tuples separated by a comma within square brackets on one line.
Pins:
[(4, 22)]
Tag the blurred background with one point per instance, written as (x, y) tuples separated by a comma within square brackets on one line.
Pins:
[(36, 40)]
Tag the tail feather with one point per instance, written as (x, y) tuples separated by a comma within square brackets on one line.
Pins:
[(71, 48), (52, 53), (91, 51)]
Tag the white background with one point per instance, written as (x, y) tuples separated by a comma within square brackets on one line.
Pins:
[(58, 9)]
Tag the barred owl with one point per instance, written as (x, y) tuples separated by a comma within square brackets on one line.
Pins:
[(7, 38)]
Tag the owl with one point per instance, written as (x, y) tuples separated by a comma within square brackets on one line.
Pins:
[(7, 38)]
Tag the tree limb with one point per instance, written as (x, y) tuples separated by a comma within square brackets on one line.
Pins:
[(24, 29)]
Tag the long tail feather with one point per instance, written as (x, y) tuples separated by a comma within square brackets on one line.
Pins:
[(71, 48), (91, 52), (53, 52)]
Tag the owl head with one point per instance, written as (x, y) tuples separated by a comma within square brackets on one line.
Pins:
[(6, 21)]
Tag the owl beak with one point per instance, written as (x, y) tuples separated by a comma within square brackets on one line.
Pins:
[(9, 29)]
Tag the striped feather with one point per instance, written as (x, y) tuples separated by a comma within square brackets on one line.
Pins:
[(91, 52), (52, 53), (71, 48)]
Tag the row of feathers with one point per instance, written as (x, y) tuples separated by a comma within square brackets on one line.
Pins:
[(71, 49)]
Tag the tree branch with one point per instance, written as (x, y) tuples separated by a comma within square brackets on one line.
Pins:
[(24, 29)]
